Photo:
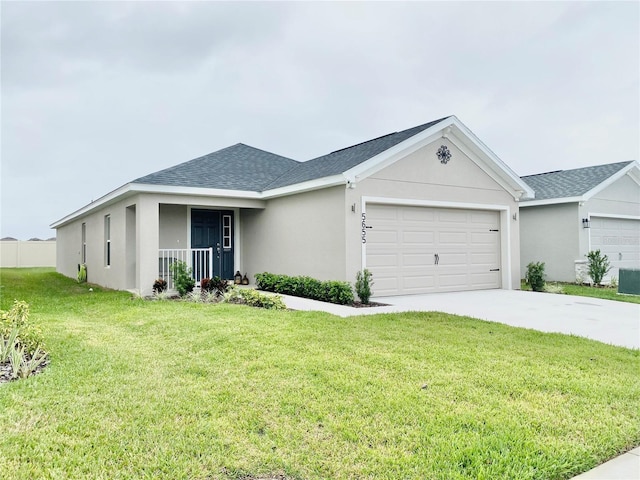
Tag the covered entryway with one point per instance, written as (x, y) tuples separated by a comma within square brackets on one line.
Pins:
[(415, 249), (618, 239)]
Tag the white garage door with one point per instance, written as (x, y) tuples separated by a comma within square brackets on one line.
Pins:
[(421, 250), (618, 239)]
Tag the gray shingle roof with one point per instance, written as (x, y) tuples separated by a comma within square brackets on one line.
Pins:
[(570, 183), (241, 167), (342, 160)]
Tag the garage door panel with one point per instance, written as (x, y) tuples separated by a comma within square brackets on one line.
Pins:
[(488, 259), (485, 278), (420, 260), (448, 237), (416, 214), (421, 238), (382, 260), (402, 246)]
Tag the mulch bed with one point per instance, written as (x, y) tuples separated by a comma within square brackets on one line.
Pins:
[(367, 305), (5, 371)]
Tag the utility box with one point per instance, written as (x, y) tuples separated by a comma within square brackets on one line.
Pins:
[(629, 281)]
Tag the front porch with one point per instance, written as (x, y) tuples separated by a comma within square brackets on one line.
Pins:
[(205, 237)]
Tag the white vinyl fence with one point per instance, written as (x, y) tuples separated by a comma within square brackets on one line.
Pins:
[(19, 253)]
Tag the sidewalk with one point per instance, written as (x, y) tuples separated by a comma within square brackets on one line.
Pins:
[(624, 467)]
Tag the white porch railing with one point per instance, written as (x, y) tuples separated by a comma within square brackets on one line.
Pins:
[(199, 260)]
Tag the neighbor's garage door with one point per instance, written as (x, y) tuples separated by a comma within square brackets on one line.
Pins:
[(619, 239), (421, 250)]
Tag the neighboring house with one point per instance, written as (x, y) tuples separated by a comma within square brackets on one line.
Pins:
[(576, 211), (428, 209)]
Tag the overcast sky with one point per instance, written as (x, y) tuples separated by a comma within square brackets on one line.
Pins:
[(97, 94)]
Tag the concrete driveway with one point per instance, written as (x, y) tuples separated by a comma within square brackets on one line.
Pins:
[(616, 323)]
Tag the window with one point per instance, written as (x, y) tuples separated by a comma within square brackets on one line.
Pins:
[(83, 250), (226, 231), (107, 240)]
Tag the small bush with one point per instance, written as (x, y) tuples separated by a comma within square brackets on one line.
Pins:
[(215, 285), (82, 273), (21, 342), (326, 291), (182, 277), (598, 266), (17, 318), (535, 276), (363, 285), (159, 286), (254, 298)]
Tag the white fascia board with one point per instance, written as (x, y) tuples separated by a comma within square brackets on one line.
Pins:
[(195, 191), (633, 170), (613, 215), (551, 201), (133, 188), (109, 198), (307, 186)]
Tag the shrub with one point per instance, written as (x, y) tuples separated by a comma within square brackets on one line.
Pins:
[(215, 285), (182, 277), (21, 343), (363, 285), (254, 298), (82, 273), (598, 266), (17, 318), (326, 291), (159, 286), (535, 276)]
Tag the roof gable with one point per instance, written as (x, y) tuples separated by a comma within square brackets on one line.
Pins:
[(578, 184)]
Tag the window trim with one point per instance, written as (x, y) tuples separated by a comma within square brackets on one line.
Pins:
[(107, 240), (226, 232), (83, 247)]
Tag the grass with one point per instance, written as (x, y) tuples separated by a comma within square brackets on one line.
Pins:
[(170, 390), (606, 292)]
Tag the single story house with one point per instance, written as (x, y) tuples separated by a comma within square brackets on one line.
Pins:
[(427, 209), (580, 210)]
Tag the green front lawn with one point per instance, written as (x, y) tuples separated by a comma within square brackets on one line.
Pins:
[(170, 390), (605, 292)]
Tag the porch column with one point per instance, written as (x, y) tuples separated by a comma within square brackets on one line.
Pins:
[(148, 243)]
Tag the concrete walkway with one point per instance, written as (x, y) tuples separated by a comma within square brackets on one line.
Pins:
[(615, 323)]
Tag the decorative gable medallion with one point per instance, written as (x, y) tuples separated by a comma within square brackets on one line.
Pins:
[(444, 155)]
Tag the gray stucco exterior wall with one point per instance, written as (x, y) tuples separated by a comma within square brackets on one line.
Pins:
[(301, 234), (550, 234)]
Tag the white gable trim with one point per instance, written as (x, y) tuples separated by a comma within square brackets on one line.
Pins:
[(551, 201)]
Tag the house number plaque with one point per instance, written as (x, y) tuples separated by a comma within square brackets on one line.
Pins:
[(364, 227)]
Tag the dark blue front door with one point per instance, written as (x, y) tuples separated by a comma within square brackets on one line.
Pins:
[(214, 229)]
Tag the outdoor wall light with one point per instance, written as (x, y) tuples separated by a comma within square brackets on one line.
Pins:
[(586, 223)]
